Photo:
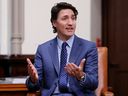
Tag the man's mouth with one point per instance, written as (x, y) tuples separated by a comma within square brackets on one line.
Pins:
[(69, 29)]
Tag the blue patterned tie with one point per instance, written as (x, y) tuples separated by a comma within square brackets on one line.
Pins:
[(63, 79)]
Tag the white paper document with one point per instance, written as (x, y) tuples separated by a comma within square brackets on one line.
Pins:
[(19, 80), (13, 80)]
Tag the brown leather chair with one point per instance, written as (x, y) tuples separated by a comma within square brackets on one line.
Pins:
[(102, 89)]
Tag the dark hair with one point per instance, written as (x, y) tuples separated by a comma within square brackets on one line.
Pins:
[(57, 8)]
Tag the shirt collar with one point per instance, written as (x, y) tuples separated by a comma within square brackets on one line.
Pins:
[(69, 41)]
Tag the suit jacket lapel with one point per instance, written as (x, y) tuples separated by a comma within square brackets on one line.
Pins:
[(76, 50), (54, 55)]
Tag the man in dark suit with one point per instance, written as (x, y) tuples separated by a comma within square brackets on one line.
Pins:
[(67, 64)]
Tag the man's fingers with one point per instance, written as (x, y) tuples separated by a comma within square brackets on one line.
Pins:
[(32, 71), (29, 61), (81, 66), (30, 67)]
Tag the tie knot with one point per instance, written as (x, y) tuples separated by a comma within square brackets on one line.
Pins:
[(64, 45)]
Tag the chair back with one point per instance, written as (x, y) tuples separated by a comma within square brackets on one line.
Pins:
[(102, 70)]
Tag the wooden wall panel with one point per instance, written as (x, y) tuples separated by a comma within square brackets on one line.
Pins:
[(115, 37)]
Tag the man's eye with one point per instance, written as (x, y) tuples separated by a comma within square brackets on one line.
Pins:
[(64, 18), (73, 18)]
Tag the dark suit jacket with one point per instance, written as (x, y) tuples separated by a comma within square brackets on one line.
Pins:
[(47, 65)]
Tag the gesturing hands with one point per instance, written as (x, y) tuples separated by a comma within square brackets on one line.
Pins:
[(74, 70), (32, 71), (71, 68)]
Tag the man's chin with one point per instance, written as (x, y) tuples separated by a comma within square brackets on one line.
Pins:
[(70, 33)]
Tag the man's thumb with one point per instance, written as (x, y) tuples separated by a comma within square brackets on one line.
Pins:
[(29, 61), (81, 66)]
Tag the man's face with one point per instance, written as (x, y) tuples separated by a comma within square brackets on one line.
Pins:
[(65, 24)]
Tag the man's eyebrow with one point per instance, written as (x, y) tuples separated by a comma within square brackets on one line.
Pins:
[(71, 15)]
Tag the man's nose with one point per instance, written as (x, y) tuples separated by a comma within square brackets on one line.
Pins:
[(70, 21)]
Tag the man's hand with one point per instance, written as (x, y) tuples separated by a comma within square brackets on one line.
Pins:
[(74, 70), (32, 71)]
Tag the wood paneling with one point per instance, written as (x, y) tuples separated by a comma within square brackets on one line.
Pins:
[(14, 65), (115, 37)]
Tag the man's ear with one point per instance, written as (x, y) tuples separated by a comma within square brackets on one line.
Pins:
[(54, 23)]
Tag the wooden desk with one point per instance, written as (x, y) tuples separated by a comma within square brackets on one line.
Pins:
[(13, 90), (13, 87)]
